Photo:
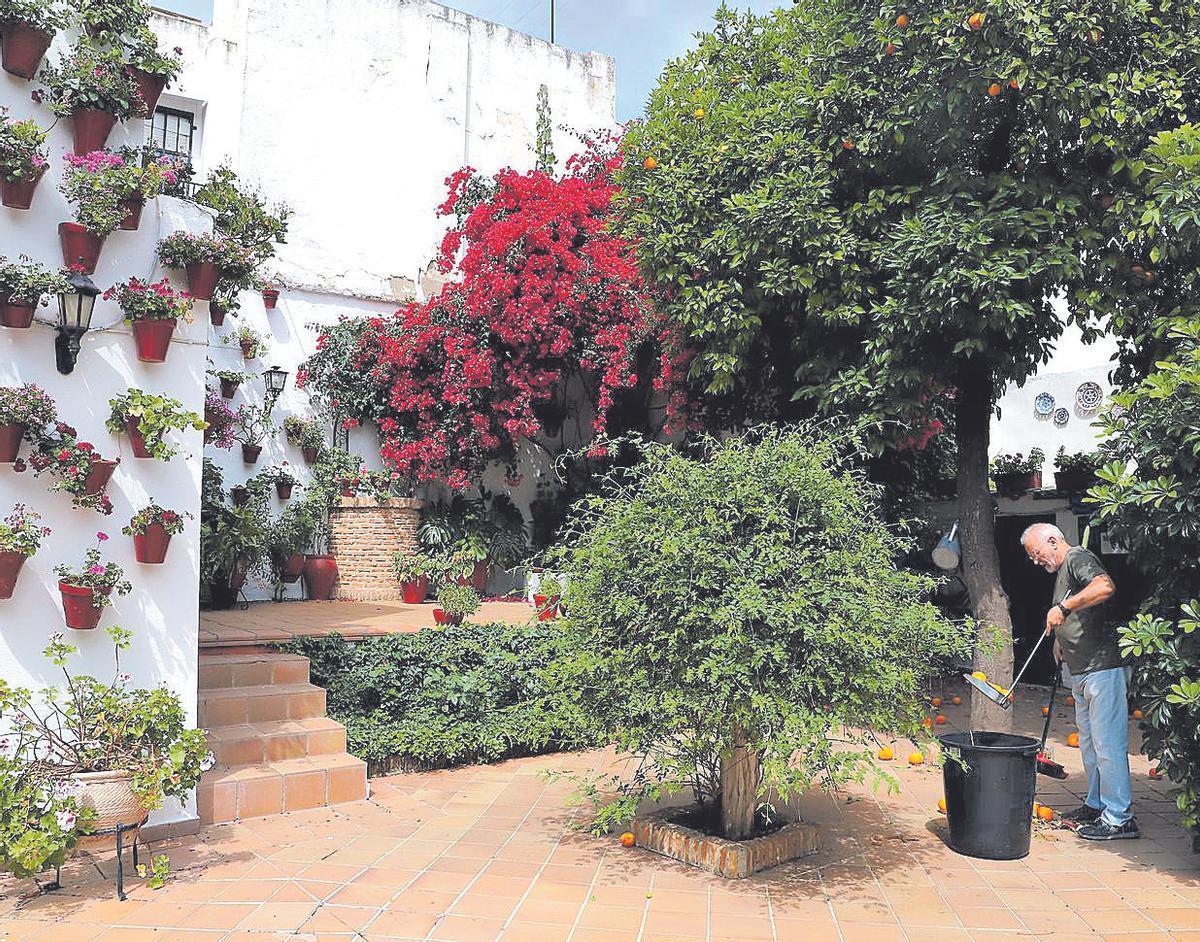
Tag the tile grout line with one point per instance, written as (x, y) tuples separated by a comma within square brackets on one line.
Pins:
[(646, 908)]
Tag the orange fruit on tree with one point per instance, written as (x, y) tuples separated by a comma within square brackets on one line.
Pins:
[(956, 700), (1045, 812), (902, 21), (942, 805), (975, 20), (1014, 84), (1073, 740), (927, 721), (650, 163), (915, 758), (848, 145), (890, 49), (994, 89), (627, 839), (885, 753), (1137, 714), (940, 720)]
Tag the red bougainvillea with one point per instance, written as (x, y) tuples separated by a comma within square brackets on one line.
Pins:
[(543, 291)]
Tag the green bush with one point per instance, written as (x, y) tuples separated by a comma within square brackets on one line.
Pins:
[(437, 698)]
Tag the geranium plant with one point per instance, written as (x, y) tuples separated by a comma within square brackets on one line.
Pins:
[(180, 249), (101, 182), (142, 300), (46, 16), (22, 148), (103, 578), (25, 281), (250, 340), (220, 419), (170, 520), (94, 79), (20, 532), (304, 433), (59, 452), (154, 416)]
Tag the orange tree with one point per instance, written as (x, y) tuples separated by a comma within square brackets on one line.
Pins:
[(864, 208)]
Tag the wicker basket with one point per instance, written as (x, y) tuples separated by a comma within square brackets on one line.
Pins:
[(112, 796)]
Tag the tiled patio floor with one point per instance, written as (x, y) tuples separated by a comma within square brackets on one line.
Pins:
[(487, 853)]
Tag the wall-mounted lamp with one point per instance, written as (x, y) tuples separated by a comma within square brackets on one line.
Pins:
[(276, 380), (75, 307)]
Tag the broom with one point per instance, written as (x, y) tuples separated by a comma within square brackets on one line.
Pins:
[(1045, 765)]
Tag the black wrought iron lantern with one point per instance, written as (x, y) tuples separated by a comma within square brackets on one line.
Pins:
[(276, 380), (75, 307)]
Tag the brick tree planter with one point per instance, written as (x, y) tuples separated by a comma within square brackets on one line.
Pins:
[(365, 535), (656, 831)]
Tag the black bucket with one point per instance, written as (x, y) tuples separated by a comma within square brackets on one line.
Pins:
[(989, 803)]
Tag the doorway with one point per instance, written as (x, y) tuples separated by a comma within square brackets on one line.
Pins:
[(1029, 589)]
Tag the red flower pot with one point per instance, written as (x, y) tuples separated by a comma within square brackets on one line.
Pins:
[(547, 606), (229, 387), (10, 442), (153, 339), (1016, 484), (347, 492), (284, 490), (216, 314), (98, 477), (249, 349), (10, 568), (23, 48), (91, 129), (415, 590), (16, 313), (250, 453), (478, 578), (136, 439), (239, 495), (292, 568), (133, 213), (320, 574), (79, 607), (151, 546), (443, 619), (202, 279), (19, 193), (310, 455), (270, 298), (79, 247), (149, 88)]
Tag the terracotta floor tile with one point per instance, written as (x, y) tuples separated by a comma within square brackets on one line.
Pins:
[(803, 930), (405, 925), (862, 912), (536, 932), (430, 901), (740, 927), (467, 929), (1176, 917), (283, 917), (475, 903), (693, 924), (553, 912), (1090, 899), (1107, 921), (987, 918), (363, 894), (865, 932), (219, 915), (596, 916)]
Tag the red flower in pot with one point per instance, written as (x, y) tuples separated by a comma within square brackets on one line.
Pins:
[(87, 591), (153, 310), (152, 528)]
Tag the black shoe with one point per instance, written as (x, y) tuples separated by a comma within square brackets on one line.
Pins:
[(1084, 814), (1100, 831)]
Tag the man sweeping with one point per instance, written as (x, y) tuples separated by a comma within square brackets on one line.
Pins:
[(1085, 644)]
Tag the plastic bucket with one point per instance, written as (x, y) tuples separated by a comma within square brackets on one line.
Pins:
[(989, 781)]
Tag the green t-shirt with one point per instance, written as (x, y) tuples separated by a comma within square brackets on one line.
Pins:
[(1088, 641)]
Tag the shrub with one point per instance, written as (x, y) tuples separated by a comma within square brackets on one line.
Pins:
[(455, 599), (411, 566)]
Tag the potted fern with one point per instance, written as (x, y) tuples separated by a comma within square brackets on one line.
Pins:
[(230, 381), (306, 434), (147, 419), (250, 340)]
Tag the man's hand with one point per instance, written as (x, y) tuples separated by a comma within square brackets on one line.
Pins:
[(1054, 618)]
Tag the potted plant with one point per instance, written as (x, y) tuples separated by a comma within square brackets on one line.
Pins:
[(152, 71), (455, 603), (152, 528), (415, 570), (252, 425), (24, 285), (153, 310), (220, 420), (230, 381), (99, 208), (199, 256), (547, 597), (23, 410), (306, 434), (147, 419), (112, 21), (23, 160), (1075, 473), (114, 185), (77, 468), (27, 28), (251, 342), (289, 536), (270, 295), (20, 538), (233, 540), (224, 301), (91, 85), (283, 479), (1015, 474), (86, 591)]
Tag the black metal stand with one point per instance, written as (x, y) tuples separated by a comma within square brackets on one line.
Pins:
[(119, 832)]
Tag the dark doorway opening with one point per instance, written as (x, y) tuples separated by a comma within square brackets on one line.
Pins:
[(1029, 589)]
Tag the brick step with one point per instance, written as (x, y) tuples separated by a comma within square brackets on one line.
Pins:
[(232, 793), (220, 670), (258, 743), (233, 706)]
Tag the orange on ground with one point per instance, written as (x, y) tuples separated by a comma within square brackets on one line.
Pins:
[(1073, 740), (1045, 711), (1045, 813), (902, 21), (915, 758), (942, 805), (957, 701), (936, 701), (650, 163), (1137, 714), (994, 89), (1070, 701), (940, 720), (627, 839), (975, 20), (885, 753)]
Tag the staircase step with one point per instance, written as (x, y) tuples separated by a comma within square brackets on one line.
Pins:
[(234, 706), (257, 743), (231, 793), (245, 670)]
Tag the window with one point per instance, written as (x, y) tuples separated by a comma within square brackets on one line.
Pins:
[(171, 132)]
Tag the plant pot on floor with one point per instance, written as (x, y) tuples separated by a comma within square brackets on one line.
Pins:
[(79, 247), (10, 442), (478, 578), (250, 453), (284, 491), (202, 279), (111, 796), (293, 568), (415, 590), (547, 606), (153, 339), (133, 212), (16, 314), (1013, 485), (79, 606), (151, 547), (10, 569), (320, 576), (23, 48), (444, 618), (98, 477), (229, 387), (19, 193), (91, 130), (149, 88), (270, 298), (137, 441)]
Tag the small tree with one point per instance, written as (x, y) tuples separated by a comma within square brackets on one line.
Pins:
[(727, 611)]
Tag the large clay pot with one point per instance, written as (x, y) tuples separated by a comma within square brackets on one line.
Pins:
[(478, 578), (136, 439), (111, 796), (98, 477), (293, 568), (202, 280), (320, 575), (151, 546), (23, 48), (19, 193), (250, 453), (79, 607), (79, 247), (133, 213), (415, 590), (16, 314), (149, 88), (10, 567), (10, 442), (153, 339), (91, 129)]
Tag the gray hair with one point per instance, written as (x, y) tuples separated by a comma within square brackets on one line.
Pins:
[(1045, 531)]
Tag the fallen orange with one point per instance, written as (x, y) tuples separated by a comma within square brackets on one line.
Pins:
[(1073, 740), (936, 701), (1045, 813), (915, 758), (627, 839), (942, 805), (885, 753)]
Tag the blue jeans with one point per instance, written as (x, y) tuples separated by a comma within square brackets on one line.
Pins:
[(1102, 715)]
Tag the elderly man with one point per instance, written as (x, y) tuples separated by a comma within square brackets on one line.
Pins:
[(1086, 646)]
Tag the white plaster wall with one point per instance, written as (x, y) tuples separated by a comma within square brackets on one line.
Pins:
[(162, 608)]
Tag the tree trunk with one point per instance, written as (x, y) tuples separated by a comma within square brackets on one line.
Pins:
[(977, 531), (739, 789)]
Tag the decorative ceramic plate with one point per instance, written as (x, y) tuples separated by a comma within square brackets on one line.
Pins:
[(1061, 417), (1043, 404), (1089, 396)]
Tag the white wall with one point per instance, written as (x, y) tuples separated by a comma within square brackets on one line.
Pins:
[(162, 608)]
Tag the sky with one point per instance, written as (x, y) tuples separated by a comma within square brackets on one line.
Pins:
[(641, 36)]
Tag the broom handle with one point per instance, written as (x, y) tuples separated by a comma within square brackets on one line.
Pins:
[(1028, 660), (1050, 713)]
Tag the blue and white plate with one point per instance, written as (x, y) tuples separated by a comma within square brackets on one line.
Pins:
[(1043, 404)]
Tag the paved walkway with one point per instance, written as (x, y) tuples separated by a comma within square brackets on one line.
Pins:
[(491, 853)]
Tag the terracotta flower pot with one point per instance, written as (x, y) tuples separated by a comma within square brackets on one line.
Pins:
[(98, 477), (79, 607), (443, 618), (293, 568), (23, 48), (250, 453), (153, 339), (320, 575), (149, 88), (79, 247), (10, 442), (10, 567), (284, 490), (415, 590), (151, 546), (1016, 484), (216, 314), (547, 606), (133, 213), (249, 349), (91, 129), (229, 387), (478, 578), (16, 314), (1074, 482), (202, 279), (239, 495), (310, 455), (136, 439), (19, 193), (270, 298)]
